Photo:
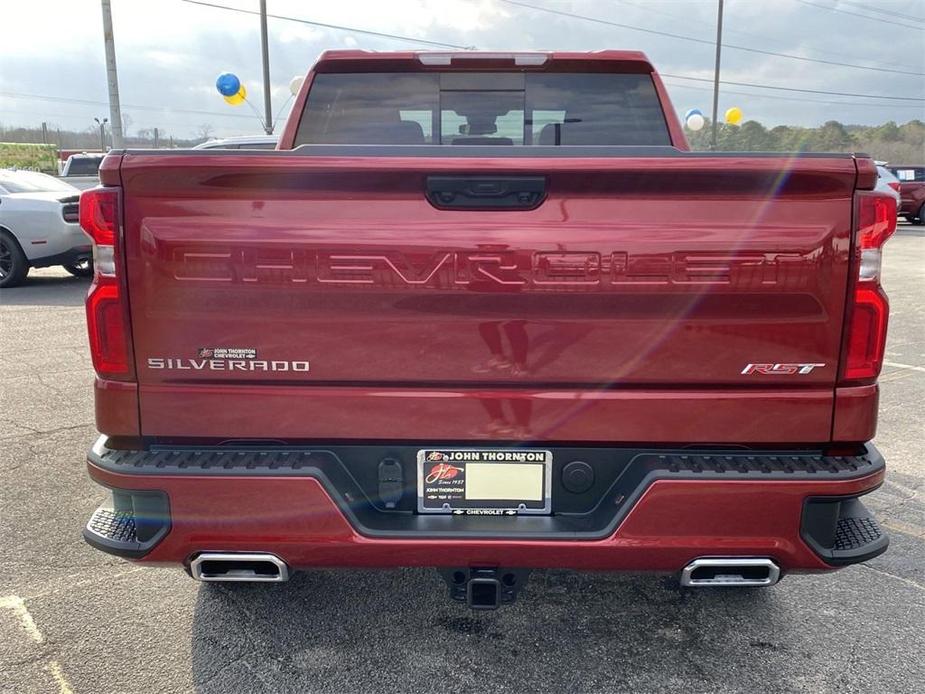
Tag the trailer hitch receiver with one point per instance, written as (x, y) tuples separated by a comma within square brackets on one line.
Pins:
[(485, 588)]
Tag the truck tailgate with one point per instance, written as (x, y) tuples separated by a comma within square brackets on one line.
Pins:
[(282, 296)]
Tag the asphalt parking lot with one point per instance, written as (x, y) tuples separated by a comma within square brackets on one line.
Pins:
[(75, 620)]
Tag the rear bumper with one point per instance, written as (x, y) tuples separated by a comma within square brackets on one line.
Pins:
[(57, 243), (909, 206), (662, 510), (69, 257)]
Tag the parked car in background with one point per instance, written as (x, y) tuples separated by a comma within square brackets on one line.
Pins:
[(243, 142), (83, 170), (39, 226), (912, 192), (65, 154), (887, 182)]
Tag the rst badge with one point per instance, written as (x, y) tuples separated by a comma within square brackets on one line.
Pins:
[(780, 369)]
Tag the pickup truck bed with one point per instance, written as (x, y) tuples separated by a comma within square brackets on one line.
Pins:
[(679, 343)]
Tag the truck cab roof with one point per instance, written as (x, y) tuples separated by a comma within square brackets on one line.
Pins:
[(476, 59)]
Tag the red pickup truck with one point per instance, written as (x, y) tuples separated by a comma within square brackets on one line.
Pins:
[(485, 312), (912, 192)]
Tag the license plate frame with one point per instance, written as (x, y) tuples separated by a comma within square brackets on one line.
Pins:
[(497, 470)]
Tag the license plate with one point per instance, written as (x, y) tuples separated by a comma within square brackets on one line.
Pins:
[(484, 481)]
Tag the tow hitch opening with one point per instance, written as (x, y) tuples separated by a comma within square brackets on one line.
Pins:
[(483, 594), (485, 588)]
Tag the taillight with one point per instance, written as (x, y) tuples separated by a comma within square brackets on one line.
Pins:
[(69, 210), (895, 186), (107, 312), (869, 310), (99, 217)]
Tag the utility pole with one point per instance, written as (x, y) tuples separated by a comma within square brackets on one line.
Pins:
[(156, 138), (719, 46), (115, 113), (268, 110), (102, 124), (44, 133)]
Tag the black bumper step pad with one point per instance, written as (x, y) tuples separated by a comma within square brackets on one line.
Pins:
[(131, 525), (842, 531), (799, 465), (305, 461), (115, 526), (855, 533)]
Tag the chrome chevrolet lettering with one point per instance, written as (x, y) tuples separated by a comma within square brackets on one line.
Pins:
[(478, 268)]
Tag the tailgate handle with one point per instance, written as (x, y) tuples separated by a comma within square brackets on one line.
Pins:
[(486, 192)]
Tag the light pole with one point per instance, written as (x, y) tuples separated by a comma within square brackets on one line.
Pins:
[(719, 45), (115, 113), (102, 124), (265, 54)]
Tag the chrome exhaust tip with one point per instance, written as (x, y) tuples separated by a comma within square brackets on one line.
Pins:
[(239, 566), (730, 571)]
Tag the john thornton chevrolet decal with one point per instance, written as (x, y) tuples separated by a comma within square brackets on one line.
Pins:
[(227, 353)]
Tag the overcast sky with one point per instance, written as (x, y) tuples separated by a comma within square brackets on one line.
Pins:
[(170, 51)]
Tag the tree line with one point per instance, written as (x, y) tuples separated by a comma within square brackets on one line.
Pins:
[(89, 138), (897, 144)]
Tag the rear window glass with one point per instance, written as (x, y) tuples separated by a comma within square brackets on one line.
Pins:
[(32, 182), (84, 166), (910, 174), (471, 108)]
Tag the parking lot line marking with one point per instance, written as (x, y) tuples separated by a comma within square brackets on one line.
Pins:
[(904, 528), (64, 687), (897, 365), (18, 605), (907, 581), (89, 581)]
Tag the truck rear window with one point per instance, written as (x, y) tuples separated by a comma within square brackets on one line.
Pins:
[(909, 174), (84, 166), (472, 108)]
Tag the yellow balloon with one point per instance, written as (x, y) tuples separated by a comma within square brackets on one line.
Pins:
[(734, 115), (236, 99)]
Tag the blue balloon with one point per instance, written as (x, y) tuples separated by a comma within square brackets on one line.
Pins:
[(227, 84), (692, 112)]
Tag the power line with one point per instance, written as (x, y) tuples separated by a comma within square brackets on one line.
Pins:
[(59, 99), (748, 34), (90, 102), (892, 13), (693, 39), (796, 89), (330, 26), (797, 99), (856, 14), (609, 23)]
